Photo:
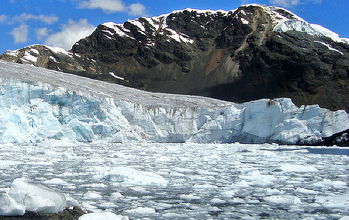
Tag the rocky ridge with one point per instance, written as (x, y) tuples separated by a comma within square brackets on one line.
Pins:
[(67, 214), (241, 55)]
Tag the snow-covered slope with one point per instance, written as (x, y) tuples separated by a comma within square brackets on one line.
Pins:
[(312, 29), (38, 105), (45, 56), (29, 55), (282, 21)]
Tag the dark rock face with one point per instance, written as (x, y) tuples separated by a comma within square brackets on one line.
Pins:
[(66, 214), (235, 56), (294, 65), (340, 139)]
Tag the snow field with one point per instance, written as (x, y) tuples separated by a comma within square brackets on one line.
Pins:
[(202, 180)]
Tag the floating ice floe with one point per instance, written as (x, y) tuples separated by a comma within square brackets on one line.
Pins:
[(283, 199), (297, 168), (333, 201), (102, 216), (128, 175), (307, 191), (141, 210), (242, 182)]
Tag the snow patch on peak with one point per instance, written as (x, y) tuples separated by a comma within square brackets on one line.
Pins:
[(30, 54), (117, 77), (278, 13), (295, 25), (329, 47), (138, 24), (30, 57), (312, 29), (109, 24), (117, 28), (58, 50), (200, 11)]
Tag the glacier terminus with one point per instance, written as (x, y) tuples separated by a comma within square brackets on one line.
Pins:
[(37, 105)]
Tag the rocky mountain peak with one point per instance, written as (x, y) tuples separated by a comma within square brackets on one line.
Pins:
[(239, 55)]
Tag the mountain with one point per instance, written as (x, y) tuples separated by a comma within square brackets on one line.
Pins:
[(39, 105), (249, 53)]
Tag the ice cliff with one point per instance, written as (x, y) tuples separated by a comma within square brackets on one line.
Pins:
[(38, 105)]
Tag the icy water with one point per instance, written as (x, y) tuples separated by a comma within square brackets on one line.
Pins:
[(188, 181)]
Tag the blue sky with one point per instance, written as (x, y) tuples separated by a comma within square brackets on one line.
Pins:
[(62, 22)]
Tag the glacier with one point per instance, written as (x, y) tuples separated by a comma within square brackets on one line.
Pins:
[(311, 29), (38, 105)]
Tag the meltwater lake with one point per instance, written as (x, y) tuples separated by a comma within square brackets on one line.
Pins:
[(189, 181)]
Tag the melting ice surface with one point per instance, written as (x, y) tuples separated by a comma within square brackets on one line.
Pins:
[(198, 181)]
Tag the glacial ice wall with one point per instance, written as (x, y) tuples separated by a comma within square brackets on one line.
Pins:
[(32, 112)]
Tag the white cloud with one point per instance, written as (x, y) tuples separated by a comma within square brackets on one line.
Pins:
[(109, 6), (20, 34), (137, 9), (41, 33), (3, 18), (244, 1), (113, 6), (290, 3), (285, 3), (70, 34), (43, 18)]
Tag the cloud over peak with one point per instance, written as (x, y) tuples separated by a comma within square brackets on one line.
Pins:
[(137, 9), (109, 6), (43, 18), (290, 3), (41, 33), (114, 6), (20, 34), (70, 33)]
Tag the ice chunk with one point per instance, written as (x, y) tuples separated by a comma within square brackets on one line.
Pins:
[(5, 163), (257, 179), (298, 168), (102, 216), (92, 195), (141, 210), (330, 183), (163, 159), (228, 193), (334, 201), (217, 201), (9, 206), (189, 197), (307, 191), (116, 196), (283, 199), (135, 177), (56, 181), (36, 198)]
